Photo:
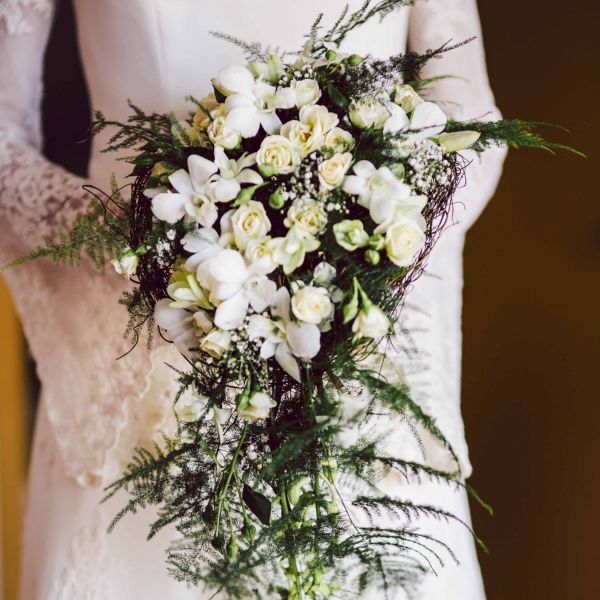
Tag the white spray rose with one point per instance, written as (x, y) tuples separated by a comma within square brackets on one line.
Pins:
[(403, 240), (333, 170), (259, 406), (260, 255), (127, 263), (366, 113), (220, 134), (302, 137), (290, 251), (249, 222), (371, 322), (311, 304), (324, 273), (339, 140), (406, 98), (318, 118), (351, 234), (216, 343), (279, 152), (307, 213), (306, 91)]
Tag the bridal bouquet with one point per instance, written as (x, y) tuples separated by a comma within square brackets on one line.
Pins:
[(272, 236)]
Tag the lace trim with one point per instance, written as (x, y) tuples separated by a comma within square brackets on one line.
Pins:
[(14, 14)]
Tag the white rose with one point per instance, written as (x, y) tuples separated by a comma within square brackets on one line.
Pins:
[(127, 263), (371, 322), (403, 240), (366, 113), (259, 254), (220, 134), (259, 406), (318, 118), (249, 222), (333, 170), (307, 213), (338, 140), (216, 343), (406, 98), (324, 273), (303, 138), (279, 152), (311, 304), (306, 91)]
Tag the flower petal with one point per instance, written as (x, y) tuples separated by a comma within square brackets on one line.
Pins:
[(354, 184), (428, 119), (398, 120), (286, 361), (201, 170), (304, 339), (246, 120), (249, 176), (230, 314), (271, 122), (364, 168), (181, 181), (236, 79), (226, 190), (169, 207)]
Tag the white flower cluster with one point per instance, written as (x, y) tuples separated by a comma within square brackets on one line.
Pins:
[(273, 170)]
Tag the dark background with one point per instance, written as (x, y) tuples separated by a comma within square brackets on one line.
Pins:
[(531, 326)]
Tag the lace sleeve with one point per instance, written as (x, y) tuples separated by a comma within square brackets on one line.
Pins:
[(433, 23), (36, 196)]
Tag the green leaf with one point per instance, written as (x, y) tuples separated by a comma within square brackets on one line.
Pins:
[(258, 503), (337, 97)]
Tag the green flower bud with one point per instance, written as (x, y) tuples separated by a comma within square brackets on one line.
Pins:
[(457, 140), (249, 531), (377, 242), (232, 548), (372, 257), (354, 60), (266, 170), (330, 55), (276, 199)]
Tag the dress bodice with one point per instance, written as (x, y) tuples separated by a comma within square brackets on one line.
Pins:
[(154, 53)]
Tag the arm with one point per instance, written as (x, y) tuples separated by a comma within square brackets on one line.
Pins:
[(433, 23), (36, 196)]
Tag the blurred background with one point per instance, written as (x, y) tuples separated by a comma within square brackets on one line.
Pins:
[(531, 311)]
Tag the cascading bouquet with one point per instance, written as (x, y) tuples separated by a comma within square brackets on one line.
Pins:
[(272, 237)]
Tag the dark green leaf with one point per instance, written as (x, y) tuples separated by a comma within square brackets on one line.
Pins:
[(258, 503)]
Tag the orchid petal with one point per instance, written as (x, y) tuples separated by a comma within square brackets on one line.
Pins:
[(244, 120), (230, 314), (281, 304), (226, 190), (287, 362), (304, 339), (249, 176), (398, 120), (428, 119), (364, 168), (200, 169), (236, 79), (270, 121), (169, 207), (182, 182)]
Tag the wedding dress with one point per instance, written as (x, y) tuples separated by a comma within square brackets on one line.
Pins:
[(94, 409)]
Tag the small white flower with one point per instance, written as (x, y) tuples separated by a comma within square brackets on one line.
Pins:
[(371, 322), (220, 134), (351, 234), (279, 152), (338, 140), (216, 343), (427, 120), (312, 304), (260, 255), (308, 214), (258, 408), (324, 274), (368, 113), (249, 222), (333, 170), (306, 92), (127, 263), (250, 103), (233, 173), (404, 239), (193, 197)]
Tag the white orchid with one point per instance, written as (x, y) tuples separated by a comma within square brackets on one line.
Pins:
[(283, 338), (233, 287), (251, 103), (194, 196), (193, 407), (379, 190), (202, 244), (426, 120), (233, 173), (178, 324)]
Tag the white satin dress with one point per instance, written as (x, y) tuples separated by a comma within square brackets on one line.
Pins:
[(95, 410)]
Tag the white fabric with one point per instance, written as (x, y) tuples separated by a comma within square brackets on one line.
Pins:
[(95, 409)]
